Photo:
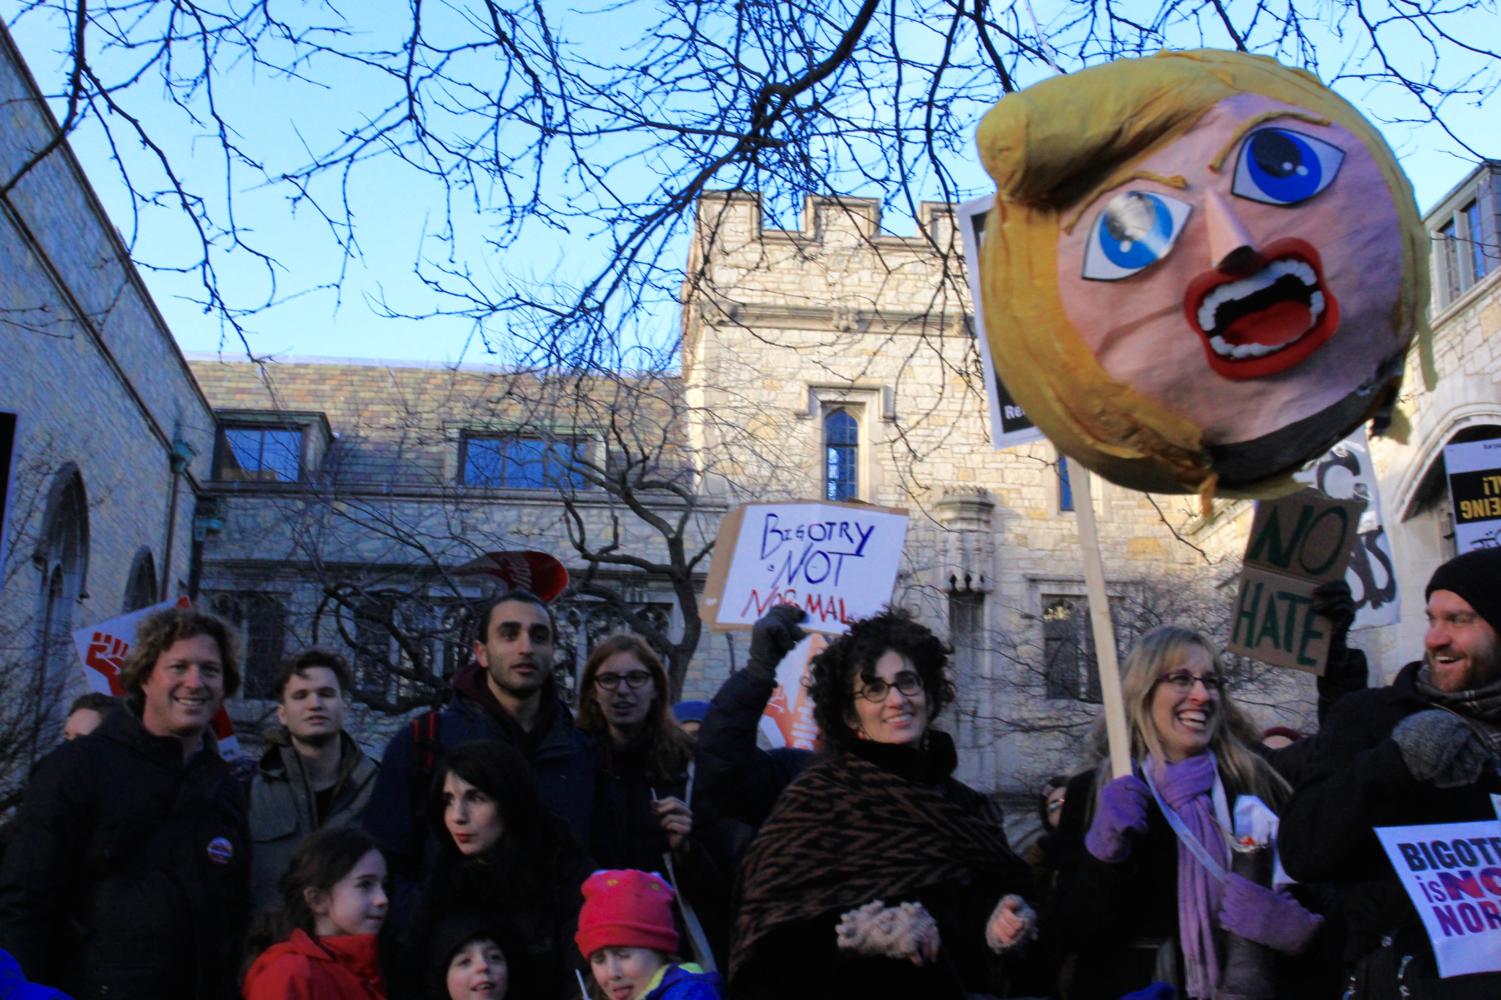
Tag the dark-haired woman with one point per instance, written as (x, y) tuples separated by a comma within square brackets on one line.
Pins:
[(320, 940), (641, 812), (502, 853), (878, 874)]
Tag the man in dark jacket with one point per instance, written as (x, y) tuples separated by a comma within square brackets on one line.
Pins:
[(1423, 750), (128, 873), (313, 775), (507, 693)]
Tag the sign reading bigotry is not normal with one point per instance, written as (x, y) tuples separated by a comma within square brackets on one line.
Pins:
[(837, 561)]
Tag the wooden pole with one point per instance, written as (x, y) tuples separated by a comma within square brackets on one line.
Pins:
[(1099, 619)]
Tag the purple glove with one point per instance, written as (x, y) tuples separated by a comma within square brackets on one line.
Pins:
[(1121, 815), (1272, 918)]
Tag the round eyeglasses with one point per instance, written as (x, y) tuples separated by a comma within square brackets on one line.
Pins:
[(635, 680), (906, 682)]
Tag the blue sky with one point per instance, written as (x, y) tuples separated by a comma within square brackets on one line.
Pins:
[(328, 305)]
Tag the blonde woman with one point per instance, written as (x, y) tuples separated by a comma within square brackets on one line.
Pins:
[(1151, 897)]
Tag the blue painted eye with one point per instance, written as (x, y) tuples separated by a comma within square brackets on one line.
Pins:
[(1133, 232), (1281, 167)]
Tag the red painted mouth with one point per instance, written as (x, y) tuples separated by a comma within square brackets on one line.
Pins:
[(1263, 323)]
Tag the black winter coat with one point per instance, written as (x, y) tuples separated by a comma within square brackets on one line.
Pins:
[(1107, 919), (128, 875), (1358, 780), (563, 760), (737, 783)]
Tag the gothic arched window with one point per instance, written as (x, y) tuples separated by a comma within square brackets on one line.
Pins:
[(841, 440)]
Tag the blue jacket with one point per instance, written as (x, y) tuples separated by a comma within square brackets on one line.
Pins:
[(562, 758), (687, 982)]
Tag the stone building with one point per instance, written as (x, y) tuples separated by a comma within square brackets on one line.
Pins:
[(111, 438), (340, 501), (1464, 404)]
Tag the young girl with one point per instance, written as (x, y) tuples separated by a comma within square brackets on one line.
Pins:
[(332, 906), (626, 932), (475, 956)]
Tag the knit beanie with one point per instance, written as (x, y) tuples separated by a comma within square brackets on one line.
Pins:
[(626, 908), (1476, 577)]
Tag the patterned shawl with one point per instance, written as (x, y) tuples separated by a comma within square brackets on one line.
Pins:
[(849, 830), (1481, 706)]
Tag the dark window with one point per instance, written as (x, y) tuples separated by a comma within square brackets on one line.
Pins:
[(1068, 649), (140, 590), (1065, 488), (525, 463), (262, 623), (841, 438), (259, 454), (966, 629)]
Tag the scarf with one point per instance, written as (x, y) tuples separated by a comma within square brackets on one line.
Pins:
[(1480, 707), (864, 824), (1187, 787)]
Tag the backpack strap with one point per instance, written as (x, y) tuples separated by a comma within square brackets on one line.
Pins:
[(425, 750)]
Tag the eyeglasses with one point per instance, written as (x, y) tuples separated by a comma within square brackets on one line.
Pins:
[(906, 682), (1183, 681), (635, 680)]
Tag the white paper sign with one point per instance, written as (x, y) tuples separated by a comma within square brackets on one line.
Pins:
[(1474, 471), (1452, 873), (836, 561), (1345, 472), (102, 650)]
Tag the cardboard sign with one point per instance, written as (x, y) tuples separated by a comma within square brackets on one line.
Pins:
[(1452, 874), (1009, 425), (1297, 543), (102, 650), (790, 710), (837, 561), (1345, 472), (1474, 471)]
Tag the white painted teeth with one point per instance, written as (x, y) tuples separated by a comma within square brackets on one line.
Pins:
[(1236, 290)]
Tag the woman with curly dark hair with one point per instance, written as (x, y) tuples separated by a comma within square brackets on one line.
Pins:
[(878, 874)]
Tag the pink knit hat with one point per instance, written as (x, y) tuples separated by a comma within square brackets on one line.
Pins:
[(626, 908)]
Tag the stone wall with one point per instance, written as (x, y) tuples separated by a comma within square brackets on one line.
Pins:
[(101, 391)]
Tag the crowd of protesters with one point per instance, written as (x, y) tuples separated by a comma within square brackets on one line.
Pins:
[(508, 845)]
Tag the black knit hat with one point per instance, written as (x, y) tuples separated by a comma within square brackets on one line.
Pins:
[(453, 932), (1476, 577)]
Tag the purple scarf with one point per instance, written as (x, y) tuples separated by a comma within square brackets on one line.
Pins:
[(1186, 787)]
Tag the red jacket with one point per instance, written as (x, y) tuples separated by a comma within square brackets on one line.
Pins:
[(307, 968)]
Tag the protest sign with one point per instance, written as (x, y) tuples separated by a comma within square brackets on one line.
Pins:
[(1474, 471), (1009, 426), (790, 710), (1297, 542), (837, 561), (1345, 472), (1452, 874), (8, 422), (102, 650)]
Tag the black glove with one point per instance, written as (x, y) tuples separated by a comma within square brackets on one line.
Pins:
[(1333, 600), (774, 636)]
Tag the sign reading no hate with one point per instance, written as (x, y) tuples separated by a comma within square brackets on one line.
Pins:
[(837, 561), (1297, 542)]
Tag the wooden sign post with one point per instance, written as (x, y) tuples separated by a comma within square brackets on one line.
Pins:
[(1099, 619)]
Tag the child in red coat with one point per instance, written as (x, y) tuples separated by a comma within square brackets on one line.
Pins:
[(325, 928)]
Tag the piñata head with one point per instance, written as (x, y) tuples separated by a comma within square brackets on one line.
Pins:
[(1203, 268)]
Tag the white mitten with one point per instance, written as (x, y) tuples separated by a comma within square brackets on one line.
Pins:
[(906, 931)]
